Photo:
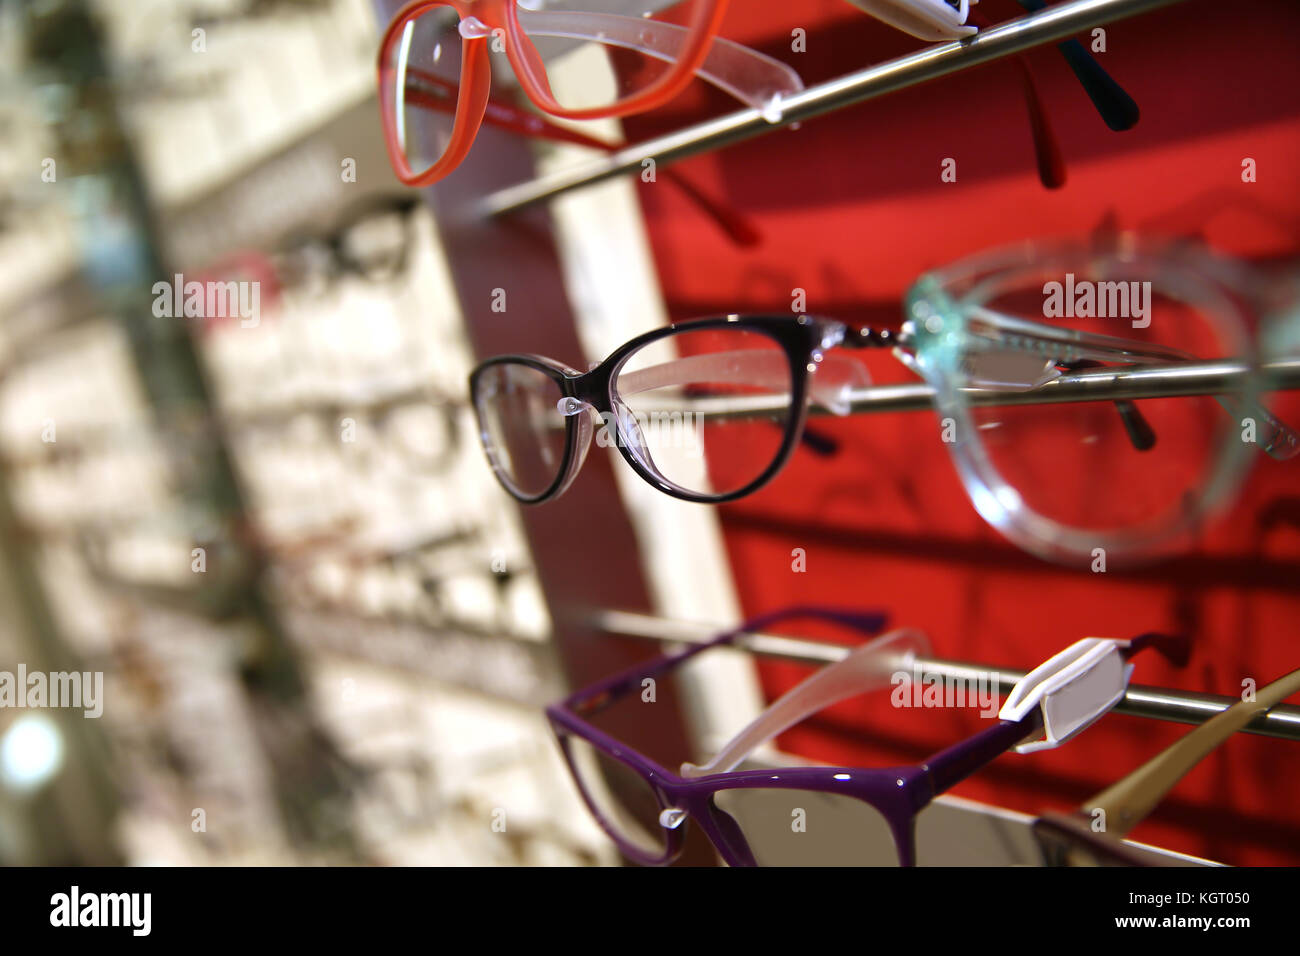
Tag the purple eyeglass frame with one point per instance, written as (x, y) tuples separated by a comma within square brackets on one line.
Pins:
[(896, 793)]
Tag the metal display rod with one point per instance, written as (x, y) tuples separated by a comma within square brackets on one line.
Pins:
[(1152, 381), (1157, 703), (1054, 23), (1175, 380)]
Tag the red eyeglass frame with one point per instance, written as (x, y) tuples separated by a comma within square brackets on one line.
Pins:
[(476, 76)]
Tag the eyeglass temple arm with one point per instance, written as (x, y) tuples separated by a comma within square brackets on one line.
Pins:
[(1276, 438), (1175, 648), (1140, 433), (830, 385), (954, 764), (757, 80), (1047, 149), (524, 123), (759, 368), (1128, 802), (1118, 110), (599, 695), (865, 669)]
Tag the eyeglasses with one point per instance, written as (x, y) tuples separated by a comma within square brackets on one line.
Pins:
[(1094, 835), (851, 814), (709, 411), (435, 47), (435, 75), (1163, 329), (655, 399)]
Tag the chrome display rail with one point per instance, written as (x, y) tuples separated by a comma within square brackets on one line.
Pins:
[(1157, 703), (1093, 385)]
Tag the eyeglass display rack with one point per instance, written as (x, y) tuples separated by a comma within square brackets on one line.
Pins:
[(599, 557), (613, 563), (1157, 703)]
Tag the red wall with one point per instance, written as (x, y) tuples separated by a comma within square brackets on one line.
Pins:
[(852, 208)]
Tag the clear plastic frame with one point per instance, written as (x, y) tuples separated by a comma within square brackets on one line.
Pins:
[(1159, 467)]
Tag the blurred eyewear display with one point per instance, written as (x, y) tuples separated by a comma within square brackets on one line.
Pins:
[(371, 239)]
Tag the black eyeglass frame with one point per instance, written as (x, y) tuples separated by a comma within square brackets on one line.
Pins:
[(804, 340)]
